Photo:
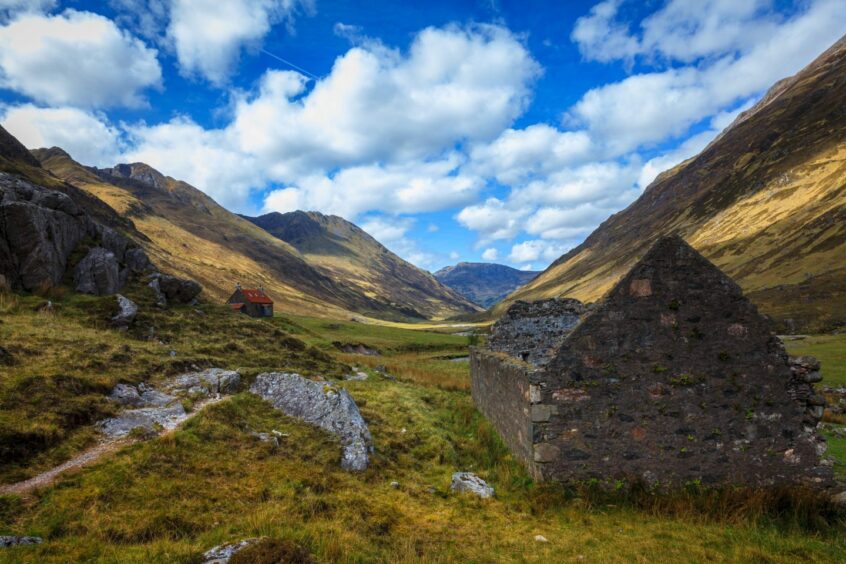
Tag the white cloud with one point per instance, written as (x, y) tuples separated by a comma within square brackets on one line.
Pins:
[(454, 255), (76, 58), (647, 108), (493, 219), (682, 30), (490, 254), (537, 149), (412, 187), (203, 158), (9, 9), (392, 232), (533, 250), (378, 105), (85, 136), (208, 35)]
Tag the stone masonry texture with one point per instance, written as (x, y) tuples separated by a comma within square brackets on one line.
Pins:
[(675, 378)]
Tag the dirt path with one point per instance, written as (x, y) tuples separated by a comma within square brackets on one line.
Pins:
[(90, 456)]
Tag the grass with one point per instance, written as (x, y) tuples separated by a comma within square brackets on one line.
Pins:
[(172, 498), (830, 349)]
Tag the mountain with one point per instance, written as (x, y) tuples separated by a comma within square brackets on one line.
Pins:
[(484, 283), (188, 234), (765, 201), (341, 250)]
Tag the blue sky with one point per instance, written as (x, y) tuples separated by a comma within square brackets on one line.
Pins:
[(476, 130)]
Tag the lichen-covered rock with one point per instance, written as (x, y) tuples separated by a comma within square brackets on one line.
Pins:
[(210, 381), (7, 541), (319, 404), (531, 331), (127, 310), (471, 483), (223, 553), (98, 273)]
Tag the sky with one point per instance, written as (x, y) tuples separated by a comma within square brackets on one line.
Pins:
[(476, 130)]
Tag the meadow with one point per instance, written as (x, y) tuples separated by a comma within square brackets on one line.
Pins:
[(212, 481)]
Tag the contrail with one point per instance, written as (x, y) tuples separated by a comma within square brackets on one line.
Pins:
[(290, 64)]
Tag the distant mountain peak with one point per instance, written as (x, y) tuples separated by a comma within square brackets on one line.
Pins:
[(484, 283)]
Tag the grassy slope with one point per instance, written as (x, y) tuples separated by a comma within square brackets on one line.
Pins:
[(766, 202), (172, 498), (343, 251)]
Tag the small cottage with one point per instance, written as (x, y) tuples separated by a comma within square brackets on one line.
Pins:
[(252, 301)]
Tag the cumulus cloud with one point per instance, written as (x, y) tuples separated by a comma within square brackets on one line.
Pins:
[(208, 35), (76, 58), (533, 250), (10, 9), (490, 254), (493, 219), (650, 107), (87, 137)]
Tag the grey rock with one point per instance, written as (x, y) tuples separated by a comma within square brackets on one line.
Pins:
[(97, 273), (39, 229), (469, 482), (127, 310), (210, 381), (137, 261), (319, 404), (839, 499), (126, 394), (161, 299), (149, 419), (357, 377), (7, 541), (222, 553)]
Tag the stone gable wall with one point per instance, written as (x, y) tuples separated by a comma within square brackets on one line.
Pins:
[(674, 379)]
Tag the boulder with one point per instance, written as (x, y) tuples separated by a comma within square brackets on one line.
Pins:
[(137, 261), (223, 553), (140, 396), (172, 290), (839, 499), (7, 541), (98, 273), (210, 381), (127, 310), (323, 406), (471, 483)]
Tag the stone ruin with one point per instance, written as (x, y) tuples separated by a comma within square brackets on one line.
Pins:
[(530, 331), (675, 378)]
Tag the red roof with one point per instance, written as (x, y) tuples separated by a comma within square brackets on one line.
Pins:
[(256, 296)]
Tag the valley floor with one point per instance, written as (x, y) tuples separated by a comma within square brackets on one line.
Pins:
[(210, 482)]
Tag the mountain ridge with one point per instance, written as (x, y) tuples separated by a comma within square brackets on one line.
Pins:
[(484, 283), (765, 201), (341, 249)]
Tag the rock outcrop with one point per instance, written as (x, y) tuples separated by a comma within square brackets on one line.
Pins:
[(321, 405), (41, 229), (531, 331), (155, 410), (674, 378), (223, 553)]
